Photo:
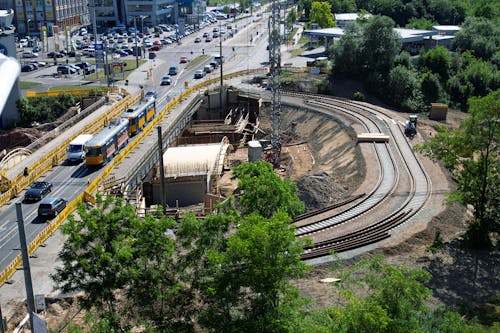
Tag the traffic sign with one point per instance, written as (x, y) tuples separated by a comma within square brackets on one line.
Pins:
[(99, 47)]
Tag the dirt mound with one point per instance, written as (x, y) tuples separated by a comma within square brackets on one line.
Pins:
[(18, 137), (318, 190)]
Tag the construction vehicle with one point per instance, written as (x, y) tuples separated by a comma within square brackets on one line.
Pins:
[(411, 126)]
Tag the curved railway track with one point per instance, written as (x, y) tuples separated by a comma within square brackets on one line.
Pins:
[(394, 159)]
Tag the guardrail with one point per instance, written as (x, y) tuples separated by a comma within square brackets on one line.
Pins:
[(59, 153), (87, 195)]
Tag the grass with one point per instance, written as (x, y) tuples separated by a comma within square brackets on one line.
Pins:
[(28, 85), (196, 61), (130, 65)]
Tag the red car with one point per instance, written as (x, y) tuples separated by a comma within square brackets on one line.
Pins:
[(208, 39), (154, 48), (184, 60), (157, 42)]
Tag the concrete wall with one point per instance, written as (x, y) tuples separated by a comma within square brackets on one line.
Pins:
[(187, 190)]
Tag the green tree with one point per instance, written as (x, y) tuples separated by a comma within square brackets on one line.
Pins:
[(264, 193), (346, 53), (321, 13), (380, 45), (403, 89), (420, 23), (96, 255), (431, 88), (471, 153), (250, 289), (480, 36), (437, 60)]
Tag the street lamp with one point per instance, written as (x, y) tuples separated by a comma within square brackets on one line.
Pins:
[(28, 29)]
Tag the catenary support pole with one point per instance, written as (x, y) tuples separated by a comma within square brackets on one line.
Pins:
[(162, 170), (26, 264)]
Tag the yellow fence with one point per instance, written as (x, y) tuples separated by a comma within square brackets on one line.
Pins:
[(78, 92), (88, 195)]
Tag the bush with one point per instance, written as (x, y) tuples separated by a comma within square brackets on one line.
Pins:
[(44, 109), (359, 96)]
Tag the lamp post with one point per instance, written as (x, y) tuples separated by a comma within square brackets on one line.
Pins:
[(142, 22), (136, 46), (28, 29)]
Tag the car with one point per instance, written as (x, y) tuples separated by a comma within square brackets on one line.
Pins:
[(154, 48), (198, 74), (37, 48), (121, 53), (65, 69), (150, 94), (197, 40), (208, 39), (38, 63), (166, 81), (172, 70), (55, 55), (184, 60), (76, 68), (207, 69), (29, 54), (158, 43), (205, 34), (89, 70), (51, 207), (37, 191), (166, 41), (215, 35), (214, 64), (83, 64), (27, 68)]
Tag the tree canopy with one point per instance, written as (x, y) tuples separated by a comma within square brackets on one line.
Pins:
[(321, 13), (471, 153)]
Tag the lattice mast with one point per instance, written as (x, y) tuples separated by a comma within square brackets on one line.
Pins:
[(274, 81)]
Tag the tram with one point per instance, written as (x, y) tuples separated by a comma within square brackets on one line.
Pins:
[(107, 142)]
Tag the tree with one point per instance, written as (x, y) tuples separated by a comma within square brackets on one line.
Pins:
[(321, 13), (96, 255), (403, 89), (437, 60), (471, 153), (346, 53), (479, 35), (264, 193), (431, 88), (249, 288), (420, 23), (380, 45)]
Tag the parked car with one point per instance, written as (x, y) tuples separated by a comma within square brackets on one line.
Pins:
[(29, 54), (65, 69), (184, 60), (37, 48), (37, 191), (55, 55), (198, 74), (38, 63), (121, 53), (172, 70), (51, 207), (89, 70), (166, 81), (27, 68), (166, 41), (83, 64)]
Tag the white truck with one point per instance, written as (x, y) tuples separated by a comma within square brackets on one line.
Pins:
[(76, 149)]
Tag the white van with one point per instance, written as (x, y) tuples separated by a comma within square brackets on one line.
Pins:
[(76, 149)]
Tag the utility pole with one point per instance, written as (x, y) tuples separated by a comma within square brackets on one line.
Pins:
[(136, 46), (274, 81), (94, 24), (221, 71), (162, 170), (26, 264)]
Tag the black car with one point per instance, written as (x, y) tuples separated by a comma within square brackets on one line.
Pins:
[(50, 207), (55, 55), (89, 70), (83, 65), (27, 68), (37, 191)]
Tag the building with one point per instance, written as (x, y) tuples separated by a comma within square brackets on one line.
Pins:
[(9, 70), (191, 174), (56, 15), (412, 39), (343, 18)]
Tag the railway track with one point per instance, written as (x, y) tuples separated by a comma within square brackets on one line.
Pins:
[(394, 159)]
